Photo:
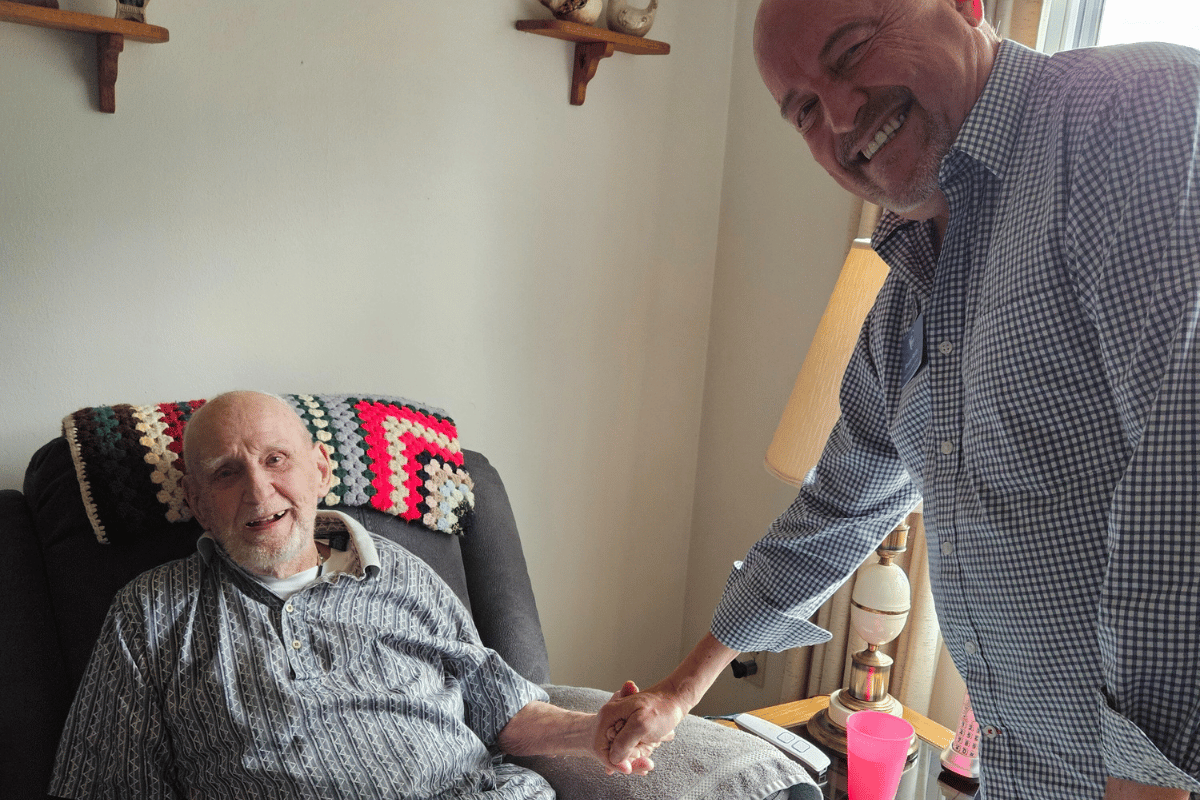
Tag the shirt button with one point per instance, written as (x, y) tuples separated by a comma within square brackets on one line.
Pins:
[(947, 447), (971, 647), (295, 644), (946, 347), (990, 731), (947, 548), (289, 608)]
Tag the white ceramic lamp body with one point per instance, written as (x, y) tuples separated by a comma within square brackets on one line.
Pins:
[(881, 601)]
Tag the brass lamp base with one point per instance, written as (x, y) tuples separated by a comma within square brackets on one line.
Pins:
[(825, 733), (827, 727)]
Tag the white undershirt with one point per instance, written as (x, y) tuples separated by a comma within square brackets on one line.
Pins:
[(283, 588)]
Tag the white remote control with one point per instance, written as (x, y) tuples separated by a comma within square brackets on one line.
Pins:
[(805, 752)]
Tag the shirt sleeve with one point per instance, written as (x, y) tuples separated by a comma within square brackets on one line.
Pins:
[(492, 691), (114, 744), (856, 494), (1136, 266)]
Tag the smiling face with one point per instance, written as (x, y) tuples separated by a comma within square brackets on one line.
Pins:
[(878, 88), (254, 478)]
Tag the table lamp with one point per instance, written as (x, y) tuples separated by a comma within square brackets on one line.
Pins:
[(880, 601), (879, 608), (812, 408)]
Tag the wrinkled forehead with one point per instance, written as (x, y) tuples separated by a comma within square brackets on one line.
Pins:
[(246, 422), (789, 19), (790, 35)]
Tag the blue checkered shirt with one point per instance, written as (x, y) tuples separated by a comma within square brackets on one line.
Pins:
[(366, 684), (1052, 427)]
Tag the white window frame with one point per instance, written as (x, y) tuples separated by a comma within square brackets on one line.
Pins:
[(1067, 24)]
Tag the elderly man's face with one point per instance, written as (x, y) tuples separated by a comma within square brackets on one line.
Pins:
[(254, 480), (878, 88)]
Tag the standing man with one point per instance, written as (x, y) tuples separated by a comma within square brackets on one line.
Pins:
[(1030, 370)]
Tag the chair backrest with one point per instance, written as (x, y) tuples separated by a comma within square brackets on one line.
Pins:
[(63, 579)]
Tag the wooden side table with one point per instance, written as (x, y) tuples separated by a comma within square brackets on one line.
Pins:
[(923, 780), (787, 715)]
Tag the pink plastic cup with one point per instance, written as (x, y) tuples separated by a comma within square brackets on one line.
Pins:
[(877, 747)]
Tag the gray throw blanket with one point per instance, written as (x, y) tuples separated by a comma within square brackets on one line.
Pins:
[(706, 761)]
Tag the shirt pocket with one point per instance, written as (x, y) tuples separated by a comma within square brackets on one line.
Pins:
[(1037, 411)]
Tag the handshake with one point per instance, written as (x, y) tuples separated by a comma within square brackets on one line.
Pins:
[(630, 726), (626, 731), (633, 723)]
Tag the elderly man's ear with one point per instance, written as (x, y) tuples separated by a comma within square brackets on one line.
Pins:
[(324, 465), (192, 500)]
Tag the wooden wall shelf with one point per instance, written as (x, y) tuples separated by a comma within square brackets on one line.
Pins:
[(110, 34), (591, 45)]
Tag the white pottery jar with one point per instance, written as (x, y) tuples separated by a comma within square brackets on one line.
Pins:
[(585, 12)]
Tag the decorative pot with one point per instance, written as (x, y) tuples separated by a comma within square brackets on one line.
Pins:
[(623, 18), (134, 10), (585, 12)]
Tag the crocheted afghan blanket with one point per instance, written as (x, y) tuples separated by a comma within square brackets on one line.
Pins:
[(388, 453)]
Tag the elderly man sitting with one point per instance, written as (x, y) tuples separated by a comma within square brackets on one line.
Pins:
[(269, 664)]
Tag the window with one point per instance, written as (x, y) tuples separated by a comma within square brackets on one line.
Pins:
[(1066, 24)]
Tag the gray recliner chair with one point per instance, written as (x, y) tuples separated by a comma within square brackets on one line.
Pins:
[(60, 580)]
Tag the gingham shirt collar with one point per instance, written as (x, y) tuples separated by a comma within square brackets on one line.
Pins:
[(990, 131), (986, 138)]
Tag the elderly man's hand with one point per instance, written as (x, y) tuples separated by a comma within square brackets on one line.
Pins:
[(633, 723), (547, 730)]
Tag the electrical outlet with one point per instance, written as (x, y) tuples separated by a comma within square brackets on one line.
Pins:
[(759, 658)]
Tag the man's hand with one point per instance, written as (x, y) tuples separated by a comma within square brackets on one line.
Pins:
[(541, 729), (633, 723), (1119, 789), (633, 719), (609, 722)]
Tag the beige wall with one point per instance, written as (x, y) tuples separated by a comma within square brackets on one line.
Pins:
[(785, 229), (612, 300), (391, 197)]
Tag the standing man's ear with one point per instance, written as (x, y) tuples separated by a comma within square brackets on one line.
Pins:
[(975, 15)]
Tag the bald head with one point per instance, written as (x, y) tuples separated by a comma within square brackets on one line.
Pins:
[(224, 408)]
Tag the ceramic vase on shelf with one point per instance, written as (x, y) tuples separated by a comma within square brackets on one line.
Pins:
[(624, 18), (585, 12), (133, 10)]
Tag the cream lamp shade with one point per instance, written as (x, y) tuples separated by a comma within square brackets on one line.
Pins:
[(813, 407)]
